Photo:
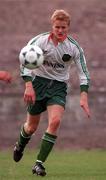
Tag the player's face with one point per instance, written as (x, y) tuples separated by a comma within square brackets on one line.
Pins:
[(60, 29)]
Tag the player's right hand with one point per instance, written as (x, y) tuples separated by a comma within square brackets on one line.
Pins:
[(29, 94)]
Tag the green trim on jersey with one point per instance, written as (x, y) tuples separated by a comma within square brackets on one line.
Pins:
[(81, 58), (37, 37), (84, 88), (27, 78)]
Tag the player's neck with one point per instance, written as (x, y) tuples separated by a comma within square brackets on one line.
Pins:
[(57, 40)]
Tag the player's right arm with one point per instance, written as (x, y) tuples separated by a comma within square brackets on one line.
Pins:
[(29, 93), (26, 74)]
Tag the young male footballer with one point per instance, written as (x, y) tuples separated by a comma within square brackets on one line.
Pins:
[(46, 89), (5, 76)]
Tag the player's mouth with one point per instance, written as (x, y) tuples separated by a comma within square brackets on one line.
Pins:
[(60, 35)]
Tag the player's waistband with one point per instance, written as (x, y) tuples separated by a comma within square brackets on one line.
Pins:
[(48, 81)]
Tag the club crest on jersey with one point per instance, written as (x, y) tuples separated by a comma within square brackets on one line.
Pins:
[(66, 57)]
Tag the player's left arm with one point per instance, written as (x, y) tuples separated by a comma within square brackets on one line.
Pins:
[(84, 78), (84, 102)]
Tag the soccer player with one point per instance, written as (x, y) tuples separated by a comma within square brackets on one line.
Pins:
[(46, 87), (5, 76)]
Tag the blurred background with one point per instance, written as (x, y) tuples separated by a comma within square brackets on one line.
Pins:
[(22, 20)]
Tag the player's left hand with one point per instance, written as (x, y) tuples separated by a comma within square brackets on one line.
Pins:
[(84, 103)]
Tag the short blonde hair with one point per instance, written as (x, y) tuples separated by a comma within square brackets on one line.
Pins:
[(60, 15)]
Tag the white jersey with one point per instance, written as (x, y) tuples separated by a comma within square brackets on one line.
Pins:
[(58, 59)]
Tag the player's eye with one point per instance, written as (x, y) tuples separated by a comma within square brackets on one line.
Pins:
[(57, 27), (63, 27), (60, 27)]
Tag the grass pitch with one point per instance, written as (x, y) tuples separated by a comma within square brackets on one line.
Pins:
[(61, 165)]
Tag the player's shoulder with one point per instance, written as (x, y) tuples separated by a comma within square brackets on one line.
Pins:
[(72, 40), (75, 43), (39, 36)]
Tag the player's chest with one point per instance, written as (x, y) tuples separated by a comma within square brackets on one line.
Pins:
[(62, 52)]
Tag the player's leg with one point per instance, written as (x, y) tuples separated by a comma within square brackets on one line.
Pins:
[(26, 132), (55, 100), (55, 113)]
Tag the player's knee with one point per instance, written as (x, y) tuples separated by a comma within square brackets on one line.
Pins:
[(54, 124), (30, 129)]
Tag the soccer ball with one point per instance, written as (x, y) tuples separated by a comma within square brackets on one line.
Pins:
[(31, 56)]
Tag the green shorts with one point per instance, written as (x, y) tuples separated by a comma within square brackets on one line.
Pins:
[(48, 92)]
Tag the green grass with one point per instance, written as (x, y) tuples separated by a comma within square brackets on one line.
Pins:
[(61, 165)]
